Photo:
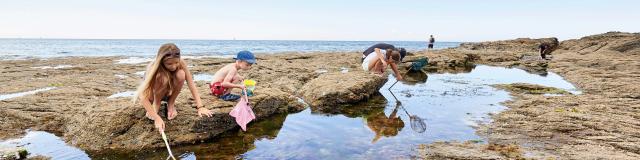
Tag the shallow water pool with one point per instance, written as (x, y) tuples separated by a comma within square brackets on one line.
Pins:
[(46, 144), (422, 109), (449, 105), (202, 77)]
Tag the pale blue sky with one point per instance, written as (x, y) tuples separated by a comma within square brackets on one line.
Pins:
[(469, 20)]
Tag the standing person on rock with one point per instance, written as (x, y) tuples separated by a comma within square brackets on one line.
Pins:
[(377, 57), (163, 81), (431, 41)]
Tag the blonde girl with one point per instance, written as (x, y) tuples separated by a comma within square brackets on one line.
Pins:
[(163, 80)]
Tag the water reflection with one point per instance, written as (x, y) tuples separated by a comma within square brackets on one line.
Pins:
[(373, 114), (452, 70), (229, 145), (382, 125), (415, 77), (539, 71)]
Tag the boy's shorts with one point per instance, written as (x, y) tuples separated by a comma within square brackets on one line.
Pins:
[(217, 89)]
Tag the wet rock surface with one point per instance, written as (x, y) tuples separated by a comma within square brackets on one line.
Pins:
[(79, 111), (331, 89), (13, 153), (470, 150), (517, 45), (523, 88), (601, 123), (520, 53)]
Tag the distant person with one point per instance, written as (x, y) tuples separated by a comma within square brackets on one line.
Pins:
[(377, 58), (543, 47), (227, 77), (431, 41), (163, 81), (546, 48)]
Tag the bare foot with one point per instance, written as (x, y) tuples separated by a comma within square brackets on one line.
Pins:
[(377, 74), (172, 112)]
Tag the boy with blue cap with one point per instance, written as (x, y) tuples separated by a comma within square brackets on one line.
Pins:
[(227, 77)]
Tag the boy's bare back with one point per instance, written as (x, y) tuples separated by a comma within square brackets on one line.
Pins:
[(222, 73)]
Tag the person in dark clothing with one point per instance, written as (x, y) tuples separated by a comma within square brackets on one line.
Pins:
[(377, 57), (544, 49), (383, 46), (431, 41)]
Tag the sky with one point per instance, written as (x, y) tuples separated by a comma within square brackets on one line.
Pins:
[(360, 20)]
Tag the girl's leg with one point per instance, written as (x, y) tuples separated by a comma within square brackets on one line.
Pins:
[(372, 63), (159, 91), (177, 87), (378, 68)]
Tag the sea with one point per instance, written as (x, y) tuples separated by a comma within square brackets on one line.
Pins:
[(11, 49)]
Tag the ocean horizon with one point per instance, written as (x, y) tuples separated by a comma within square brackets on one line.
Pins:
[(21, 48)]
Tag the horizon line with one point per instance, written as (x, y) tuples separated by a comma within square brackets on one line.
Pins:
[(32, 38)]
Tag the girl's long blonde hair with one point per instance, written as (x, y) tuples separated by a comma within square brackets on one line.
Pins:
[(157, 73)]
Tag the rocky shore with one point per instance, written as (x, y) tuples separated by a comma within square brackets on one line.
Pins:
[(603, 122), (78, 107)]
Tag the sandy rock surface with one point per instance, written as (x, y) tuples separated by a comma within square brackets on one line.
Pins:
[(78, 108)]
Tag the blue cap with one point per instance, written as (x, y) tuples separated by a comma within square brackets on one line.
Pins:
[(246, 56)]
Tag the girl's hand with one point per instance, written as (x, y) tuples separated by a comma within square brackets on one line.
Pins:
[(159, 123), (204, 111), (399, 78)]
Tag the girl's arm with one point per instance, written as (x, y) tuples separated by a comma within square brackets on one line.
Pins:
[(394, 67), (192, 87), (148, 106), (380, 56), (194, 92), (157, 99)]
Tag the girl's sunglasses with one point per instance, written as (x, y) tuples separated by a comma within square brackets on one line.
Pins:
[(175, 55)]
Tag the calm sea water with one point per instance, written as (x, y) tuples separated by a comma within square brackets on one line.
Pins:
[(49, 48)]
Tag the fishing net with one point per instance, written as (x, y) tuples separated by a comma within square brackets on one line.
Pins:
[(417, 123)]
